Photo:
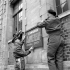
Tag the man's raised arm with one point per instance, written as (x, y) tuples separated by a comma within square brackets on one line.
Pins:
[(42, 24)]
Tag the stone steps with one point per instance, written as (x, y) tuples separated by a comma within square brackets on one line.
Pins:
[(36, 67)]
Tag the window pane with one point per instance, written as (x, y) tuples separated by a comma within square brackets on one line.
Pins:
[(62, 1), (65, 8), (20, 25), (57, 3), (20, 21), (59, 10), (58, 7), (20, 15), (61, 6), (20, 5), (15, 24)]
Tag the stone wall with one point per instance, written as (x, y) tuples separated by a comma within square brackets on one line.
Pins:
[(66, 35), (3, 48), (5, 32), (35, 11)]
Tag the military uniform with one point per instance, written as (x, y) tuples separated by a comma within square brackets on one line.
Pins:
[(19, 55), (55, 43)]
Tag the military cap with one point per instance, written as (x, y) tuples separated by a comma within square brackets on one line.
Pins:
[(52, 12)]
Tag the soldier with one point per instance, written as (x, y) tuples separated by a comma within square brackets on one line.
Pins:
[(19, 54), (55, 41)]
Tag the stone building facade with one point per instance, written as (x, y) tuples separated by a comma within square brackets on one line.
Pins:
[(23, 15)]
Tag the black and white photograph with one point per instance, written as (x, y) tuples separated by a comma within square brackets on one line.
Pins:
[(34, 34)]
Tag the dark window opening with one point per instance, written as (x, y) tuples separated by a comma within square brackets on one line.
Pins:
[(17, 17), (61, 6)]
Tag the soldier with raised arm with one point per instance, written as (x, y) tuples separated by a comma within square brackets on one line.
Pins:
[(53, 26), (18, 52)]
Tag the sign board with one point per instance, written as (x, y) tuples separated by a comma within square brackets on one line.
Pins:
[(33, 38)]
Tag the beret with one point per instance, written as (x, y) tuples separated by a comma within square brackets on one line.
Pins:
[(52, 12)]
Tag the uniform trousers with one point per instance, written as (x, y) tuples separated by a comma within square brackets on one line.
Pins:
[(55, 52)]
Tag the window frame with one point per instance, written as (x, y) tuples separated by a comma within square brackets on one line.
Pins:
[(63, 13), (16, 14)]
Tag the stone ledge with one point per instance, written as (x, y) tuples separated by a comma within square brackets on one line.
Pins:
[(37, 69), (36, 66)]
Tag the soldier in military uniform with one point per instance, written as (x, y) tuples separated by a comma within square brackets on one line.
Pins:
[(55, 41), (18, 53)]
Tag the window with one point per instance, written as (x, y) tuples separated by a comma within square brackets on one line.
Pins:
[(17, 17), (61, 6)]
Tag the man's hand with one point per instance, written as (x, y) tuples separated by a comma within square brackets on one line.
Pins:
[(10, 41), (31, 48), (23, 37), (39, 23)]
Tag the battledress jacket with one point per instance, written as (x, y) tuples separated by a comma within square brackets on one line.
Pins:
[(52, 26), (18, 52)]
